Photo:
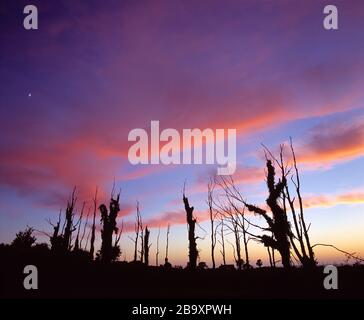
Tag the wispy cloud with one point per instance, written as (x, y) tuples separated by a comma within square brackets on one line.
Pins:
[(345, 198), (333, 142), (167, 218)]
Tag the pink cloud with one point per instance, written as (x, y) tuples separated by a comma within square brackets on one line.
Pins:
[(163, 219), (345, 198), (333, 142)]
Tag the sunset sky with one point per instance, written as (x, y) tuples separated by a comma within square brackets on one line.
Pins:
[(71, 91)]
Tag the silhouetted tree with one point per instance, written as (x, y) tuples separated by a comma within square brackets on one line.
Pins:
[(79, 222), (93, 229), (259, 263), (167, 265), (108, 220), (236, 248), (167, 243), (212, 214), (141, 228), (157, 251), (239, 261), (191, 222), (278, 223), (232, 209), (116, 248), (24, 239), (84, 228), (222, 242), (56, 239), (305, 254), (138, 225), (69, 227), (303, 250), (146, 246), (234, 217)]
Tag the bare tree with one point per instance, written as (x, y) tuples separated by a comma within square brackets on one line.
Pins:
[(191, 223), (69, 227), (84, 227), (92, 243), (348, 255), (157, 251), (141, 228), (138, 225), (56, 239), (108, 220), (235, 229), (303, 251), (232, 209), (167, 243), (222, 242), (146, 246), (87, 239), (302, 232), (79, 223), (213, 215), (279, 201), (278, 223)]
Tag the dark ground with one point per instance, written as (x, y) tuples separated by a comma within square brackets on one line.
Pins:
[(72, 277)]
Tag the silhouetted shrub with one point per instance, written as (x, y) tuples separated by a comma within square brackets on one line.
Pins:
[(24, 239)]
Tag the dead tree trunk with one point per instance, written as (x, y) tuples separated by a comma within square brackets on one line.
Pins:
[(245, 241), (146, 246), (212, 215), (157, 252), (137, 228), (239, 261), (191, 222), (141, 241), (167, 243), (69, 228), (222, 243), (84, 228), (270, 257), (79, 223), (56, 239), (92, 244), (108, 220)]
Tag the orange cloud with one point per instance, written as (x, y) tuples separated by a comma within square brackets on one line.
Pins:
[(333, 142), (351, 197)]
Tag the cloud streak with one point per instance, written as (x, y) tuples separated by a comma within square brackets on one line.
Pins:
[(333, 142), (345, 198)]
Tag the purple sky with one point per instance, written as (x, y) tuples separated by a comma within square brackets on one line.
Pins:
[(95, 71)]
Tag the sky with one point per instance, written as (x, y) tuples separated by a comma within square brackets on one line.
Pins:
[(71, 91)]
